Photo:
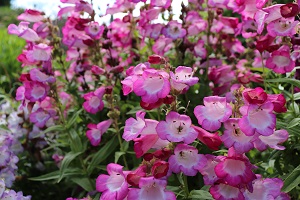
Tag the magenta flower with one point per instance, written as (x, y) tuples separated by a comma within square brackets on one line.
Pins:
[(114, 185), (278, 101), (162, 45), (161, 3), (152, 85), (281, 61), (258, 118), (23, 31), (94, 30), (214, 111), (187, 160), (41, 116), (177, 128), (273, 141), (97, 130), (223, 191), (37, 75), (94, 102), (255, 96), (282, 27), (268, 188), (174, 30), (40, 52), (234, 137), (211, 140), (183, 78), (151, 188), (133, 127), (235, 169), (31, 15), (35, 91), (208, 170)]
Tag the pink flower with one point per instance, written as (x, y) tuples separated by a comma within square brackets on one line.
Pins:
[(278, 101), (183, 78), (161, 3), (160, 169), (273, 141), (174, 30), (282, 27), (214, 111), (257, 118), (41, 116), (152, 85), (35, 91), (162, 45), (211, 140), (94, 30), (96, 131), (268, 188), (114, 185), (133, 127), (186, 160), (255, 96), (40, 52), (176, 128), (151, 188), (31, 15), (196, 24), (234, 137), (235, 169), (94, 102), (37, 75), (23, 31), (223, 191), (280, 60), (208, 170), (199, 49)]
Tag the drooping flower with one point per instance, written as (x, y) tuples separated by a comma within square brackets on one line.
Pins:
[(31, 15), (187, 160), (211, 140), (23, 31), (255, 96), (94, 102), (215, 111), (176, 128), (97, 130), (151, 188), (257, 118), (114, 185), (133, 127), (273, 141)]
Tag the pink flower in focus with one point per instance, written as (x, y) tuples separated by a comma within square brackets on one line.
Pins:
[(282, 27), (176, 128), (97, 130), (215, 111), (35, 91), (187, 160), (94, 102), (133, 127), (257, 118), (278, 101), (151, 188), (234, 137), (223, 191), (183, 78), (280, 60), (235, 169), (114, 185), (255, 96), (152, 85), (211, 140), (273, 141)]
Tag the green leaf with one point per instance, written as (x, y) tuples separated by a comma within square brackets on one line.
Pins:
[(50, 129), (69, 157), (83, 182), (4, 128), (292, 180), (201, 195), (118, 154), (73, 119), (285, 80), (75, 142), (56, 174), (103, 153), (293, 123)]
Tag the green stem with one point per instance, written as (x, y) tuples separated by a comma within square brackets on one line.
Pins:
[(186, 188)]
